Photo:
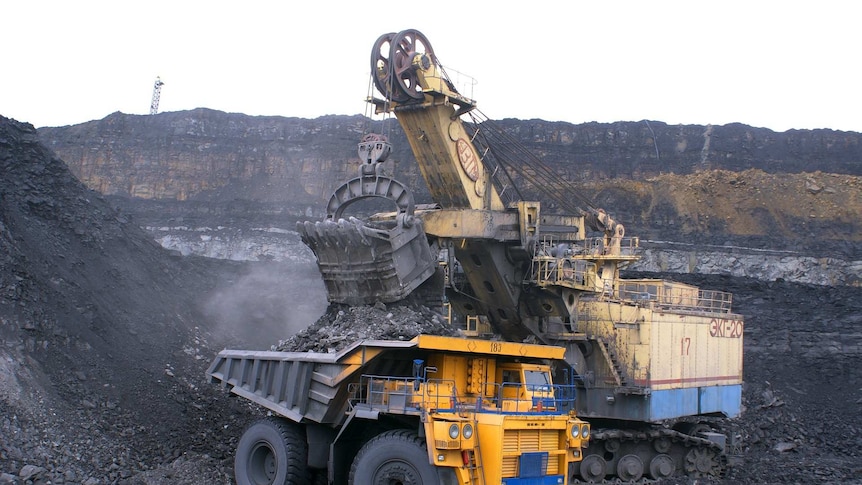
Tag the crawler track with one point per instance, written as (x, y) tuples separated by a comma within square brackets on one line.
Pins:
[(632, 455)]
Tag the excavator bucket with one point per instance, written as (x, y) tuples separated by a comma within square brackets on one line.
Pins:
[(366, 262), (362, 263)]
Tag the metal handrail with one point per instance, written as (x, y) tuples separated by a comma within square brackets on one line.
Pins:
[(675, 295), (390, 393)]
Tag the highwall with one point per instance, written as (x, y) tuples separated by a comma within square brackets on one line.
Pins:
[(277, 244), (765, 265)]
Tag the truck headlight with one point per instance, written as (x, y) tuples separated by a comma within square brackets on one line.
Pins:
[(468, 431), (585, 432), (575, 431), (453, 431)]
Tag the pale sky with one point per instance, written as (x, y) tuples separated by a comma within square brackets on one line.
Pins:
[(773, 64)]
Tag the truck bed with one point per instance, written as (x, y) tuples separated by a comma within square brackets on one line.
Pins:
[(302, 386)]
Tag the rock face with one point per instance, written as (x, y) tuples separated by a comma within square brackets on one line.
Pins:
[(188, 154), (751, 208), (798, 189), (209, 154), (750, 263), (648, 148)]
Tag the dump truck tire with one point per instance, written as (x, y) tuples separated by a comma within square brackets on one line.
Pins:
[(272, 451), (397, 456)]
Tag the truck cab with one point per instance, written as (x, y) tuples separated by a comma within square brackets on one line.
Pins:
[(530, 387)]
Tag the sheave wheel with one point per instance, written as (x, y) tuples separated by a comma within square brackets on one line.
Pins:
[(404, 49), (396, 457), (381, 70), (272, 452)]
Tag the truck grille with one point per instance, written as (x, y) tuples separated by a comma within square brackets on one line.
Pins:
[(517, 441)]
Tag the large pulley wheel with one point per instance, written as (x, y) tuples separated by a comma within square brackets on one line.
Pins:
[(395, 61), (272, 452), (381, 69), (411, 50), (394, 457)]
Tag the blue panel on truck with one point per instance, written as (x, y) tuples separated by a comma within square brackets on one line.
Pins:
[(721, 399)]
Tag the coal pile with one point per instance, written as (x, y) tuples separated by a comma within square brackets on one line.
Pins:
[(343, 325), (102, 346)]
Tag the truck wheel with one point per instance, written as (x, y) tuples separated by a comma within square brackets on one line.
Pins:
[(272, 452), (393, 457)]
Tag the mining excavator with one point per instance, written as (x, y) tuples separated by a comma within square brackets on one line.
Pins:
[(646, 363)]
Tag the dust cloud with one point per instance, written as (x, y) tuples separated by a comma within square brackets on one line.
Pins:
[(267, 302)]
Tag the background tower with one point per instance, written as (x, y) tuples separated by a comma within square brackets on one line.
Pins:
[(157, 92)]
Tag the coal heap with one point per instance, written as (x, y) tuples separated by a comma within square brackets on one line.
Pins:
[(101, 348), (343, 325)]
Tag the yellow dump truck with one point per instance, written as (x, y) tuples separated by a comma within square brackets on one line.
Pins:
[(433, 410)]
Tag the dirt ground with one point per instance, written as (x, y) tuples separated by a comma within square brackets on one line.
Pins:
[(105, 338)]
